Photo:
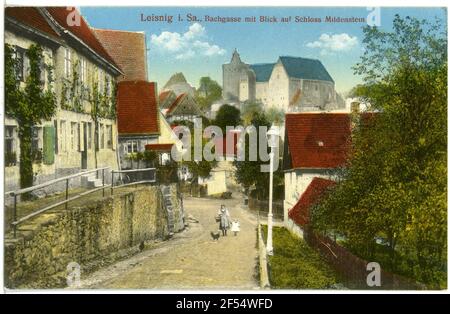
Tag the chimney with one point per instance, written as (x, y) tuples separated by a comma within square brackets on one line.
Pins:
[(354, 107), (354, 113)]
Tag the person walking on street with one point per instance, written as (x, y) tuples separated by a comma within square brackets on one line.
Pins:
[(224, 223)]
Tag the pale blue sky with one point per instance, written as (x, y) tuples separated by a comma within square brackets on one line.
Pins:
[(200, 49)]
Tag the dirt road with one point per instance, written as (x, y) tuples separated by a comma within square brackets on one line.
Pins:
[(191, 259)]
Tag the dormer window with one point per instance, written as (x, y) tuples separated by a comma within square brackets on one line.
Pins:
[(320, 143)]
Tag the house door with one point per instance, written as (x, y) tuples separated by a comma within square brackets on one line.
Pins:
[(84, 148)]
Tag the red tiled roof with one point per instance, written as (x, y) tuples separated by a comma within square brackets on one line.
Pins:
[(318, 140), (300, 212), (31, 16), (137, 108), (159, 147), (82, 32), (127, 49), (176, 103)]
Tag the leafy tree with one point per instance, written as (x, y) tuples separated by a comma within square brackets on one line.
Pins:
[(249, 110), (150, 157), (275, 115), (30, 105), (248, 173), (227, 116), (395, 186), (132, 157), (198, 168), (102, 106), (96, 114), (147, 156), (208, 92)]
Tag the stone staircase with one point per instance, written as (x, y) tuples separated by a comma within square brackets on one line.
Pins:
[(90, 181)]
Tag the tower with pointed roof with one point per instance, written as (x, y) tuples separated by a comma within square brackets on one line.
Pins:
[(236, 58), (179, 85), (238, 81)]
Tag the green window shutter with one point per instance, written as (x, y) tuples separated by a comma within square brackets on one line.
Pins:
[(49, 144)]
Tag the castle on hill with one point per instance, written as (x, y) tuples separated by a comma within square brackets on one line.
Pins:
[(292, 84)]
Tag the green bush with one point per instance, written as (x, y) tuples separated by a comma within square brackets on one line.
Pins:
[(295, 265)]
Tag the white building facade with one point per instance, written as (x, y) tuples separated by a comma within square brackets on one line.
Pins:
[(316, 146), (67, 143)]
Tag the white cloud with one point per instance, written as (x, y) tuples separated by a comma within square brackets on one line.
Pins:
[(185, 55), (169, 41), (195, 31), (208, 49), (334, 43), (188, 44)]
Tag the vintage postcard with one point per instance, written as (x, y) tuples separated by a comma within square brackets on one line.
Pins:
[(225, 148)]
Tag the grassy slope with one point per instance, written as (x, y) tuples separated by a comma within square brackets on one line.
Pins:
[(295, 265)]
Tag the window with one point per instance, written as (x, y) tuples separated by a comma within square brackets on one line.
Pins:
[(108, 86), (101, 78), (102, 136), (109, 137), (132, 147), (35, 139), (74, 136), (36, 144), (63, 141), (83, 71), (10, 147), (56, 125), (84, 79), (45, 73), (89, 135), (67, 63), (20, 56)]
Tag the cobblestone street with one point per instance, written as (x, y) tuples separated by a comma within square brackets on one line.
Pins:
[(191, 259)]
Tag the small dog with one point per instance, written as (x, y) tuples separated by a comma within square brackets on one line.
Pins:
[(215, 235)]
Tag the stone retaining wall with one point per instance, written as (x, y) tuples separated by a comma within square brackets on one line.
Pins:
[(97, 233), (263, 268)]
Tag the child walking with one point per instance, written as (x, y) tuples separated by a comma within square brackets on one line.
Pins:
[(235, 227)]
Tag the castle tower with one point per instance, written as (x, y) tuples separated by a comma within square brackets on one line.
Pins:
[(236, 58), (232, 76)]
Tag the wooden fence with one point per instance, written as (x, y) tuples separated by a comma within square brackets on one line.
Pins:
[(262, 207), (353, 269)]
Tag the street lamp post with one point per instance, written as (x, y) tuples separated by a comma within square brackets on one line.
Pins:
[(272, 136)]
